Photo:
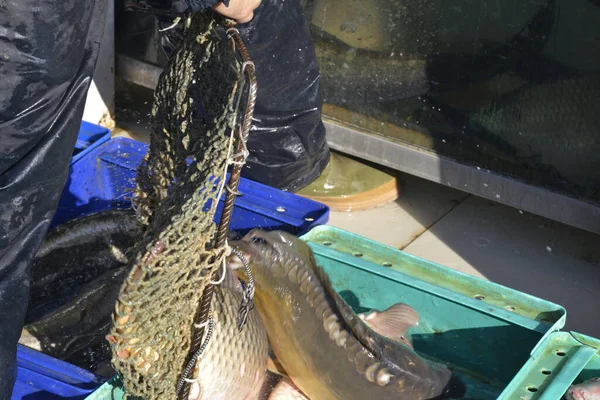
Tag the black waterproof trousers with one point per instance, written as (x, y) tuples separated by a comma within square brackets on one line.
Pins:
[(48, 50)]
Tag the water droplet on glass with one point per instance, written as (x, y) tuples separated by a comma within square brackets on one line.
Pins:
[(481, 241)]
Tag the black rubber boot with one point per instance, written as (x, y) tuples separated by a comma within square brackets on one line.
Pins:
[(287, 142)]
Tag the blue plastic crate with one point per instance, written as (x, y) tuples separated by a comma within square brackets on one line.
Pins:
[(90, 136), (105, 179), (41, 377)]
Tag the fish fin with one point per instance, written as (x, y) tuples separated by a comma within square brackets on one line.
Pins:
[(393, 322), (382, 347)]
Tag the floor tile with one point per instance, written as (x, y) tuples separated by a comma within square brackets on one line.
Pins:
[(522, 251), (398, 223)]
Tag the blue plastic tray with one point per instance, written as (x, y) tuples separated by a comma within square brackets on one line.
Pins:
[(90, 137), (104, 178), (41, 377)]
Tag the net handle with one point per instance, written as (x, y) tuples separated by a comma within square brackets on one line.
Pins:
[(249, 72)]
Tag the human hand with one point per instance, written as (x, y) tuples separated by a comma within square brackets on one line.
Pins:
[(241, 11)]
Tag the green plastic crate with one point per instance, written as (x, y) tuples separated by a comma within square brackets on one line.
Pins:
[(561, 360), (485, 330), (481, 339)]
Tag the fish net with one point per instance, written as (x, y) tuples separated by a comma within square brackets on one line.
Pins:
[(194, 115)]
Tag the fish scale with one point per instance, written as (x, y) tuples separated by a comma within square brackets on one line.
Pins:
[(234, 364)]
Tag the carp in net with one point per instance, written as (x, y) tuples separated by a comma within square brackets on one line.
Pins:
[(195, 122)]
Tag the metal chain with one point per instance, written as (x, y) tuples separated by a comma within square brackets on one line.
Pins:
[(248, 298), (192, 363)]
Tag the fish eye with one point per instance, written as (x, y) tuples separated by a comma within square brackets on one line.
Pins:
[(258, 240)]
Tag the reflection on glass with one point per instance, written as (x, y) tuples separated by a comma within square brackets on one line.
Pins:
[(512, 86)]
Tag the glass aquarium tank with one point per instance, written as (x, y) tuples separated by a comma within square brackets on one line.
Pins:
[(497, 98)]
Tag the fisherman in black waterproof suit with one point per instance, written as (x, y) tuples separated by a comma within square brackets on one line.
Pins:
[(48, 52)]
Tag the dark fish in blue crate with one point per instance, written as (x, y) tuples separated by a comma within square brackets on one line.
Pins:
[(75, 253), (75, 280), (327, 350), (75, 332)]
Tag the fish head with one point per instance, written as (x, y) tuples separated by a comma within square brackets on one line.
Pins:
[(268, 253)]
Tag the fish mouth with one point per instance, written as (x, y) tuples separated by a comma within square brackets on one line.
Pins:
[(240, 253), (253, 249), (260, 249), (246, 251), (253, 242)]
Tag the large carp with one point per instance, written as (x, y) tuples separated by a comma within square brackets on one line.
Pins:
[(328, 351)]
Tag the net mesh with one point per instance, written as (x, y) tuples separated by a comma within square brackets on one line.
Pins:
[(195, 109)]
